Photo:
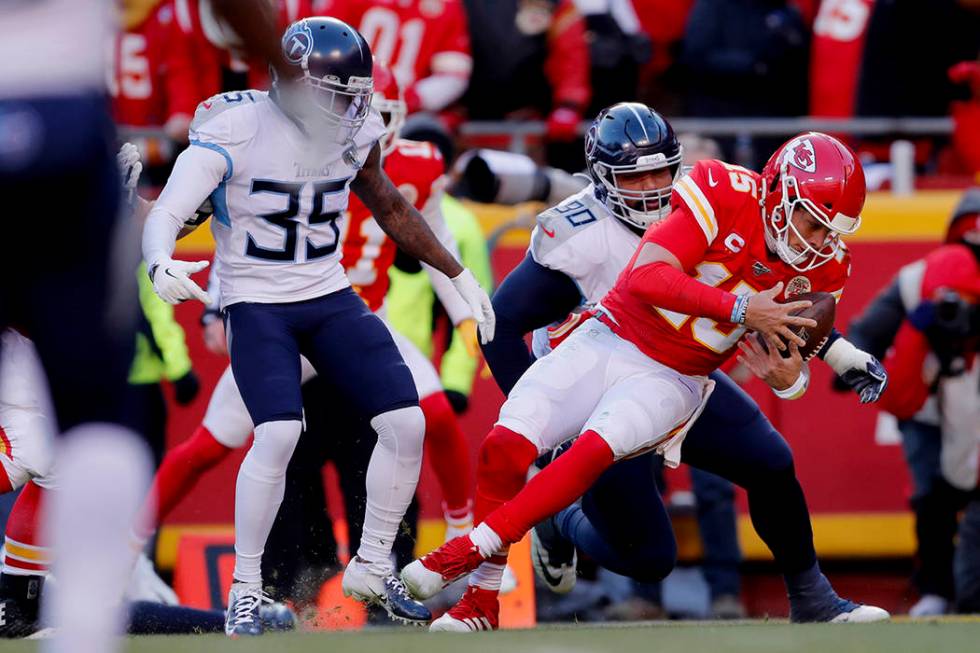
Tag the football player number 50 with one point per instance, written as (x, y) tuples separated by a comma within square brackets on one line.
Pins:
[(705, 330)]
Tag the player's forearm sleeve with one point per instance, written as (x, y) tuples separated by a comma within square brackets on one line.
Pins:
[(436, 92), (197, 172), (661, 284), (532, 296), (456, 307)]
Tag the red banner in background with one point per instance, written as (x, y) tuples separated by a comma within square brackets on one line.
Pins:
[(840, 465)]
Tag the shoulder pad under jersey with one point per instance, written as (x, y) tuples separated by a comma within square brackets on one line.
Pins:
[(715, 192), (573, 216), (216, 105)]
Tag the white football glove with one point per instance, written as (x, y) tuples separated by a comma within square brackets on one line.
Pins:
[(171, 281), (474, 295), (858, 369), (130, 167)]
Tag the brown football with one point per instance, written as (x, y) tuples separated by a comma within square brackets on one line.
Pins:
[(822, 310)]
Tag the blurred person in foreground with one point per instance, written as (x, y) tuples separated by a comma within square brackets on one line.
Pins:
[(928, 322), (58, 134)]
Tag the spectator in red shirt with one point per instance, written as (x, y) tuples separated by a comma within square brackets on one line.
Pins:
[(148, 88), (205, 46), (839, 33), (425, 43)]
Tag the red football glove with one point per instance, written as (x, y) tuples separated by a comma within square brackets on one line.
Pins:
[(563, 124)]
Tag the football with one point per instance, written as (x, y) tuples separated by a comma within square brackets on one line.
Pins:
[(822, 310)]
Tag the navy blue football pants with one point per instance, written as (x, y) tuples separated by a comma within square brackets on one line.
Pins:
[(622, 522), (348, 345)]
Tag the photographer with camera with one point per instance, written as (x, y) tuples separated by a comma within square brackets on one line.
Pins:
[(928, 320)]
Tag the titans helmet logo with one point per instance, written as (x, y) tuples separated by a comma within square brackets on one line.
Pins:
[(297, 43)]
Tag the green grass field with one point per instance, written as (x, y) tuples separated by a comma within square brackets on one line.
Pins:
[(954, 635)]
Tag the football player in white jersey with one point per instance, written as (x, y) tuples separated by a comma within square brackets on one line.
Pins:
[(278, 169)]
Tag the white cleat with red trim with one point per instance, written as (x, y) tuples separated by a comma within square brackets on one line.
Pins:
[(478, 610)]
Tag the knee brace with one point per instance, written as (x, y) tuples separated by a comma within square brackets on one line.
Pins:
[(401, 431)]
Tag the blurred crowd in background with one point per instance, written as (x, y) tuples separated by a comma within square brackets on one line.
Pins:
[(560, 61)]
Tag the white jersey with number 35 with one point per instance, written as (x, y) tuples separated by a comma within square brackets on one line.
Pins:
[(279, 203)]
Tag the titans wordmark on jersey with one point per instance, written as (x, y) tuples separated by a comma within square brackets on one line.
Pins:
[(278, 207)]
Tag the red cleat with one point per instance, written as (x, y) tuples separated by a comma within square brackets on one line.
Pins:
[(479, 609), (431, 573)]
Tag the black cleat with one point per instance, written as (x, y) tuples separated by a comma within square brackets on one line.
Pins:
[(19, 600)]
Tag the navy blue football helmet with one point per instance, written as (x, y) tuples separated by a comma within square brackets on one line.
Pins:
[(333, 73), (627, 138)]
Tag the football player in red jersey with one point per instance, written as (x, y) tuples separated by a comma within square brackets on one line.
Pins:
[(634, 378), (425, 42), (417, 170), (206, 44), (149, 88)]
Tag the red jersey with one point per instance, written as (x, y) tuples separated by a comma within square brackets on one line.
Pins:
[(146, 89), (416, 169), (835, 55), (717, 206), (416, 38)]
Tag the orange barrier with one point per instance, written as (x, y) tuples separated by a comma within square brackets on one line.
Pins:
[(205, 561), (517, 609)]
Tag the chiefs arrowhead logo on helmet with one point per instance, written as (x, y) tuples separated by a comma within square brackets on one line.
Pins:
[(801, 155)]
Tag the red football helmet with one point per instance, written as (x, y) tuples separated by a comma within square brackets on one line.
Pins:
[(823, 176), (390, 103)]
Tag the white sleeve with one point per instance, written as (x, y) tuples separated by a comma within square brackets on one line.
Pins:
[(456, 307), (197, 172), (436, 92)]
